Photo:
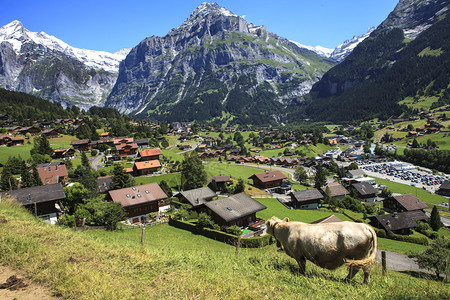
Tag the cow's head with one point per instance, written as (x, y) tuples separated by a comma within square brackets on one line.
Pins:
[(272, 222)]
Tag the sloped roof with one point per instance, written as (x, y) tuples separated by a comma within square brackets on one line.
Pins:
[(79, 142), (336, 189), (364, 188), (235, 207), (329, 219), (445, 185), (150, 152), (269, 176), (51, 174), (410, 202), (141, 165), (357, 172), (397, 221), (104, 183), (222, 178), (138, 194), (198, 196), (307, 195), (37, 194)]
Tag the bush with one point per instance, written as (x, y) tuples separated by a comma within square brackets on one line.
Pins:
[(235, 230), (67, 220), (94, 152)]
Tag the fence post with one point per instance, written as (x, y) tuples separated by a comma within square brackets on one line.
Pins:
[(383, 262), (83, 224), (238, 245), (143, 236)]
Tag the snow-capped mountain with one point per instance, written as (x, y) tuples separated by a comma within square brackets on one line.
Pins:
[(344, 49), (44, 66), (17, 35), (322, 51)]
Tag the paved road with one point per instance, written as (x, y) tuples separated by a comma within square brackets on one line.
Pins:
[(400, 262), (95, 161)]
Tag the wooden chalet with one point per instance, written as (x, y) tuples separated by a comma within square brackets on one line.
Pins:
[(31, 130), (126, 150), (11, 141), (139, 201), (146, 167), (150, 154), (402, 203), (222, 181), (337, 190), (51, 133), (142, 143), (365, 192), (81, 145), (444, 189), (52, 174), (43, 202), (197, 197), (268, 180), (62, 153), (239, 209), (399, 223), (306, 199)]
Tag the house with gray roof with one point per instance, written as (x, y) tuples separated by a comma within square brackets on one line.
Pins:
[(358, 173), (239, 209), (365, 192), (402, 203), (42, 201), (306, 199), (399, 223), (197, 197)]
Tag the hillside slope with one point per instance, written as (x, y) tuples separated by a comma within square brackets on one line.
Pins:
[(176, 264)]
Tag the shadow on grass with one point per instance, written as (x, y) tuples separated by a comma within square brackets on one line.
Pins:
[(423, 275)]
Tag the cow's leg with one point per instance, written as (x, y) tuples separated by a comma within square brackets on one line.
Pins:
[(351, 273), (302, 264), (366, 275)]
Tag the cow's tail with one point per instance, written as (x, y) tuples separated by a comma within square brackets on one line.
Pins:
[(371, 259)]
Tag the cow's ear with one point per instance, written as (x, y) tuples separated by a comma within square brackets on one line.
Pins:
[(286, 219)]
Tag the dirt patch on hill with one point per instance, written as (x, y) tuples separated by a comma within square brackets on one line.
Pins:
[(14, 285)]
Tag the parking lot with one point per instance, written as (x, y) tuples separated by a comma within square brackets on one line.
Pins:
[(398, 173)]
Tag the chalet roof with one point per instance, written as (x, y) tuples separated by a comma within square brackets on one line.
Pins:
[(142, 165), (37, 194), (307, 195), (51, 174), (150, 152), (104, 183), (329, 219), (138, 194), (222, 178), (397, 221), (126, 146), (123, 140), (235, 207), (445, 185), (79, 142), (410, 202), (336, 189), (364, 189), (198, 196), (141, 141), (269, 176), (357, 172)]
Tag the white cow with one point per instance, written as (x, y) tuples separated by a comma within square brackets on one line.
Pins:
[(327, 245)]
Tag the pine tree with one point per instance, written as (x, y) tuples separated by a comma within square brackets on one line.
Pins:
[(193, 174), (25, 175), (120, 179), (85, 161), (8, 182), (435, 219), (36, 178), (320, 179), (41, 146)]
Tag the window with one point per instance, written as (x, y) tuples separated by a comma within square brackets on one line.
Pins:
[(139, 195), (128, 195)]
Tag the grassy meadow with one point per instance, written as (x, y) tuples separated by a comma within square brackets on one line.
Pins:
[(176, 264)]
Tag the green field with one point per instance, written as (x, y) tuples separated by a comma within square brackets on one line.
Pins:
[(173, 180), (233, 169), (176, 264), (423, 195)]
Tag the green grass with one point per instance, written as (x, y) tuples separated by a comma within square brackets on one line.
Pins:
[(233, 169), (177, 264), (23, 151), (399, 247), (423, 195), (173, 180)]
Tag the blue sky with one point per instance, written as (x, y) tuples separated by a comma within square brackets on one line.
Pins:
[(110, 25)]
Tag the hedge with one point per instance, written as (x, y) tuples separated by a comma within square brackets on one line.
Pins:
[(254, 242), (381, 233)]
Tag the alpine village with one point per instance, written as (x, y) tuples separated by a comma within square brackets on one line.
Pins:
[(222, 161)]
